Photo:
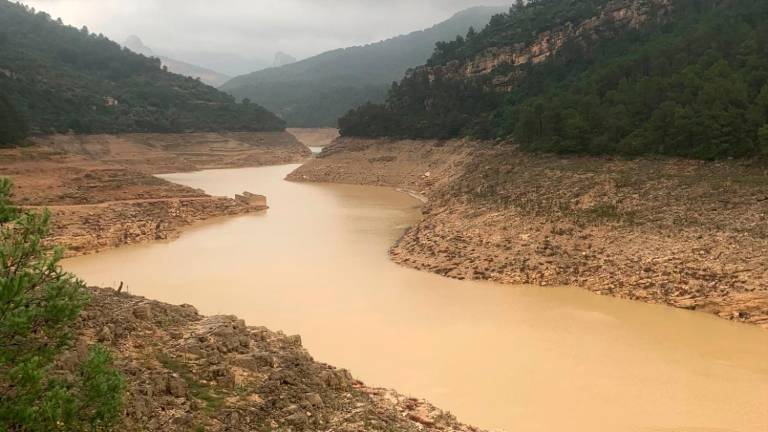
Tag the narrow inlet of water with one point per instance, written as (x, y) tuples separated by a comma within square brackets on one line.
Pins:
[(514, 358)]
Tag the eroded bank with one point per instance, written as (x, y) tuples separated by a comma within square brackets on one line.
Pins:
[(102, 192), (689, 234)]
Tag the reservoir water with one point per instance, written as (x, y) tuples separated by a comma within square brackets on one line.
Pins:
[(514, 358)]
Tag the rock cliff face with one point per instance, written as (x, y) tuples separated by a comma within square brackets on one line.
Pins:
[(187, 372), (501, 65), (689, 234)]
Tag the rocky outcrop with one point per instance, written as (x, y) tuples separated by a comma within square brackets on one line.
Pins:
[(252, 201), (85, 229), (689, 234), (501, 64), (188, 372)]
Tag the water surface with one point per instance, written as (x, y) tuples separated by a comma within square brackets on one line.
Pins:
[(500, 357)]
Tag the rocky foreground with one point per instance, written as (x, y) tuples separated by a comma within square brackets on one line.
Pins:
[(102, 193), (689, 234), (187, 372)]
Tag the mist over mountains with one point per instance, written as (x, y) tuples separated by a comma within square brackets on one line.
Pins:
[(208, 76), (317, 91)]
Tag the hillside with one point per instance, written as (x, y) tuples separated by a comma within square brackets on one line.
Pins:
[(672, 77), (208, 76), (315, 92), (59, 79)]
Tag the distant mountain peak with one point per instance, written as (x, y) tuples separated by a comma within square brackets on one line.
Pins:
[(282, 59), (135, 44)]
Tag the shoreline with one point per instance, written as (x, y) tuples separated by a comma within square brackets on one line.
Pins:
[(614, 227), (104, 193), (183, 370), (222, 374)]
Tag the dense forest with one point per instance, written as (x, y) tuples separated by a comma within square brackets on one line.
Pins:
[(317, 91), (55, 78), (692, 81)]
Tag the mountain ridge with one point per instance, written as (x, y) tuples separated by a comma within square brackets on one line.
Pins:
[(59, 79), (672, 77), (314, 92)]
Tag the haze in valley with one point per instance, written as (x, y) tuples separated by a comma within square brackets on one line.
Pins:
[(240, 36)]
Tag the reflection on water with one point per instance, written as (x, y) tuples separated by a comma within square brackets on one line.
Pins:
[(501, 357)]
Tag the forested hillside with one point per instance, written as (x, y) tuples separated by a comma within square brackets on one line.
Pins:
[(55, 78), (673, 77), (317, 91)]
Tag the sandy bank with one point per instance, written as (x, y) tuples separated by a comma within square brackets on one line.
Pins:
[(101, 191), (689, 234)]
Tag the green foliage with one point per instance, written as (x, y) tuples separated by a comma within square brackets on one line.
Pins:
[(7, 211), (60, 78), (38, 304), (317, 91), (692, 84)]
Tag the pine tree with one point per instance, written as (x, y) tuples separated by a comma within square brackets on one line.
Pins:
[(39, 302)]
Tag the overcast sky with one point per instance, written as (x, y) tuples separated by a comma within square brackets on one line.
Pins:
[(214, 33)]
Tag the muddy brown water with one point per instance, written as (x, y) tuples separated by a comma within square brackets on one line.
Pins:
[(514, 358)]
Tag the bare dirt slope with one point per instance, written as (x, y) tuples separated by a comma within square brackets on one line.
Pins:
[(690, 234), (166, 153), (187, 372), (101, 191)]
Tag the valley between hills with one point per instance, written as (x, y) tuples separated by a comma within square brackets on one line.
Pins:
[(555, 218), (647, 230), (101, 194), (635, 237)]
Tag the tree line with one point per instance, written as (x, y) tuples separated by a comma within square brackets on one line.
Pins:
[(693, 83)]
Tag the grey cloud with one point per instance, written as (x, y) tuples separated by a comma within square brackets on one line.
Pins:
[(209, 32)]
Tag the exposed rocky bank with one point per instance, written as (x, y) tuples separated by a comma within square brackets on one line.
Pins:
[(187, 372), (689, 234), (102, 193)]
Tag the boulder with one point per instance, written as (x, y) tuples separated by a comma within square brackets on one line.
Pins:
[(252, 200), (143, 312), (176, 387)]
